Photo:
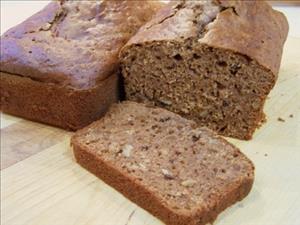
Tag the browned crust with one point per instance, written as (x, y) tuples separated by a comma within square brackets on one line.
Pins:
[(56, 105), (53, 45), (63, 80), (251, 28), (131, 189)]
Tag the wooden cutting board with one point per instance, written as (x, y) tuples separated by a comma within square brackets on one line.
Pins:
[(42, 185)]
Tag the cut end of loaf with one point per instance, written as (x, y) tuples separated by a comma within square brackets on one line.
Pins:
[(215, 87), (183, 174)]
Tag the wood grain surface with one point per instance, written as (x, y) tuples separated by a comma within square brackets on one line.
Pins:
[(42, 185)]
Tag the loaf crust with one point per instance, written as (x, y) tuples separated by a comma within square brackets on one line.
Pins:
[(234, 29), (143, 183), (56, 105), (69, 50), (211, 61)]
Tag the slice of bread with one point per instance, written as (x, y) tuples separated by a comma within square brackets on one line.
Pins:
[(182, 174), (211, 61)]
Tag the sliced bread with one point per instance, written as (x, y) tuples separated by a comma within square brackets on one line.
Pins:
[(182, 174), (211, 61)]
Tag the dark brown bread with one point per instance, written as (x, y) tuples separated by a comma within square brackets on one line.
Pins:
[(60, 66), (182, 174), (211, 61)]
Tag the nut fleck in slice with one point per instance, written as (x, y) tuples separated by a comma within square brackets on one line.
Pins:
[(188, 183), (167, 174), (183, 174), (126, 150)]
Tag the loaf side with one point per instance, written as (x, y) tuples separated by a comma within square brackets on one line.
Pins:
[(56, 105)]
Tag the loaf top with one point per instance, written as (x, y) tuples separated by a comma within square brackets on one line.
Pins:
[(73, 43), (186, 167), (251, 28)]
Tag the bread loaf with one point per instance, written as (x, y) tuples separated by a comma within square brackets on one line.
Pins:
[(182, 174), (61, 65), (211, 61)]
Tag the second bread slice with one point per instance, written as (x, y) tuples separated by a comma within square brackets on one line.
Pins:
[(180, 173)]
